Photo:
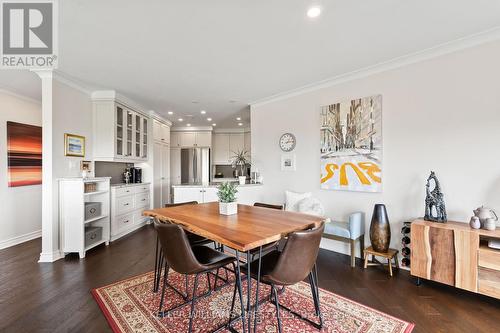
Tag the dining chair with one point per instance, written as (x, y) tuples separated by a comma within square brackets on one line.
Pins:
[(268, 247), (296, 262), (183, 258), (193, 240)]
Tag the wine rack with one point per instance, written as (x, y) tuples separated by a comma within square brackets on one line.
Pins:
[(405, 240)]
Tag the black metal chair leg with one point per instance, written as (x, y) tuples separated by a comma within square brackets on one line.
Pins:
[(314, 294), (193, 301), (232, 302), (155, 289), (216, 278), (209, 284), (165, 278), (256, 314), (240, 290), (277, 304), (249, 291), (160, 266)]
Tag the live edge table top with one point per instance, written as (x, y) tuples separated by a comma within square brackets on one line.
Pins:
[(250, 228)]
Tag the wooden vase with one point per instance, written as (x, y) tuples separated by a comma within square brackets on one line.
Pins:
[(380, 229)]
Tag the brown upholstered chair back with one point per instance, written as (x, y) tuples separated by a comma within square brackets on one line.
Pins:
[(298, 257), (265, 205), (176, 248), (181, 204)]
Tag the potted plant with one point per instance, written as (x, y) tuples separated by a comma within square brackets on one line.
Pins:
[(241, 160), (227, 198)]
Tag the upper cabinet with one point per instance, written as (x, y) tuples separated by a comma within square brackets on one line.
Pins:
[(161, 132), (191, 139), (120, 132), (226, 145)]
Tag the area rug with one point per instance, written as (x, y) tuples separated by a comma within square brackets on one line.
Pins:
[(131, 306)]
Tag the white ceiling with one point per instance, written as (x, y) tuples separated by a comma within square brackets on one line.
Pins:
[(167, 54)]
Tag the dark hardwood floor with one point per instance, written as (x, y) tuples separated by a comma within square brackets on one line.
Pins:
[(56, 297)]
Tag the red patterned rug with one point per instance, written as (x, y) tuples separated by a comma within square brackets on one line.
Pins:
[(130, 306)]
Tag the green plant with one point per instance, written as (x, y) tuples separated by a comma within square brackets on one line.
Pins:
[(240, 159), (227, 192)]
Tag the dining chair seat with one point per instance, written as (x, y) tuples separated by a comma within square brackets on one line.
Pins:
[(210, 259)]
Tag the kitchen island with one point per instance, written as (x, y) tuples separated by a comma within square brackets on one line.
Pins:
[(247, 194)]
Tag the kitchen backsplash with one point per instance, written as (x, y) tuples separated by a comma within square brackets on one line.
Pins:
[(112, 169)]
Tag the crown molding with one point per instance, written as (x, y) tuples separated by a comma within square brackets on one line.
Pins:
[(412, 58), (20, 96), (159, 118), (191, 129)]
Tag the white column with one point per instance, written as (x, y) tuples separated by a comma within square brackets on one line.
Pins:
[(50, 228)]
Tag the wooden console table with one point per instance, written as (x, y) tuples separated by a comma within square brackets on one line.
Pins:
[(457, 255)]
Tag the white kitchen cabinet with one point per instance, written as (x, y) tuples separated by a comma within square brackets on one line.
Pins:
[(246, 195), (161, 174), (226, 145), (128, 202), (221, 149), (161, 132), (175, 139), (191, 139), (120, 133), (203, 139), (165, 131), (191, 193), (175, 166), (188, 139), (236, 143)]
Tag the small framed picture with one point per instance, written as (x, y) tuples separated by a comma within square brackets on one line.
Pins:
[(288, 162), (74, 145), (85, 166)]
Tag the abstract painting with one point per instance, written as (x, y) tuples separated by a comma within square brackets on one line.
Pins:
[(351, 145), (24, 154)]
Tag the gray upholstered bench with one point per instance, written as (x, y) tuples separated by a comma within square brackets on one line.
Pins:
[(348, 232)]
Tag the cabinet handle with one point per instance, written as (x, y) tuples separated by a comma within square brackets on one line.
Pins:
[(143, 200), (126, 204), (126, 221)]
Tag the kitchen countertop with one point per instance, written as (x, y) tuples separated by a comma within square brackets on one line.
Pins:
[(211, 185), (119, 185)]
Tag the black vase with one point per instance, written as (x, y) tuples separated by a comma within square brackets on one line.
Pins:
[(380, 230)]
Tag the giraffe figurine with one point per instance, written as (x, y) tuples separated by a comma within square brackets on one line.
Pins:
[(435, 209)]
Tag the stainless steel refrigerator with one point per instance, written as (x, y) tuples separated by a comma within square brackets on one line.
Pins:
[(195, 165)]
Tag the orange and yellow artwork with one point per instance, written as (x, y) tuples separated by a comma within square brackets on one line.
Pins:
[(24, 154), (351, 145)]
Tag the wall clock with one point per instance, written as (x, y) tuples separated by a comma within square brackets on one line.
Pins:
[(287, 142)]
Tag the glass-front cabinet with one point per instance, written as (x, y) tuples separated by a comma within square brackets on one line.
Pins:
[(144, 138), (131, 139)]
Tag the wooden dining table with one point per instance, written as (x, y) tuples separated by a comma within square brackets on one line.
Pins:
[(249, 229)]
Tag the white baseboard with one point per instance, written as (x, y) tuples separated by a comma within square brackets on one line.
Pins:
[(20, 239), (51, 257)]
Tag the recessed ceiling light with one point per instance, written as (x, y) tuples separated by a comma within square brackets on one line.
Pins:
[(240, 124), (180, 119), (214, 124), (203, 111), (209, 119), (170, 112), (314, 12), (188, 124), (239, 118)]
